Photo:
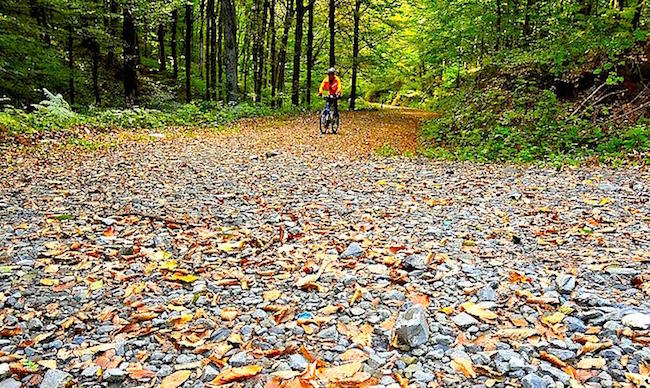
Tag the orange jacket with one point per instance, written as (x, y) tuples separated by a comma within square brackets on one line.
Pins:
[(333, 88)]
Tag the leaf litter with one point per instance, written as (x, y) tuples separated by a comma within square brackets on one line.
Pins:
[(261, 261)]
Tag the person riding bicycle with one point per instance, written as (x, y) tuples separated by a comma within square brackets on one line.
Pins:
[(332, 84)]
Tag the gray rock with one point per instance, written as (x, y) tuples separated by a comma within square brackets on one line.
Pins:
[(209, 373), (34, 324), (55, 378), (298, 362), (90, 371), (516, 363), (621, 271), (562, 354), (353, 250), (10, 383), (329, 333), (423, 377), (565, 283), (113, 375), (411, 327), (414, 263), (4, 370), (487, 294), (557, 374), (464, 320), (532, 380), (637, 321), (239, 359), (575, 324)]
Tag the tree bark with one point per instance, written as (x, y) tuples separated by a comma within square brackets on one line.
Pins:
[(272, 54), (637, 14), (112, 10), (230, 48), (71, 63), (259, 37), (213, 51), (297, 53), (130, 56), (498, 35), (355, 53), (201, 52), (527, 29), (332, 28), (282, 55), (162, 61), (94, 49), (219, 88), (310, 51), (173, 41), (188, 50), (208, 32)]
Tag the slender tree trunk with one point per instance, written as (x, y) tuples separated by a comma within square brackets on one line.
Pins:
[(162, 61), (259, 63), (146, 36), (174, 54), (297, 53), (219, 90), (527, 29), (255, 27), (94, 48), (498, 35), (282, 56), (188, 50), (230, 48), (213, 51), (201, 52), (637, 14), (272, 55), (355, 53), (332, 28), (112, 9), (71, 63), (310, 51), (208, 33), (130, 56)]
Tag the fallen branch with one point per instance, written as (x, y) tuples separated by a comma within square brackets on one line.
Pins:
[(575, 113)]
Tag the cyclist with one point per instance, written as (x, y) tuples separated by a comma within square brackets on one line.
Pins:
[(332, 84)]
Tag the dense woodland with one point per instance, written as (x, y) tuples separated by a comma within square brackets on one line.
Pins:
[(514, 68)]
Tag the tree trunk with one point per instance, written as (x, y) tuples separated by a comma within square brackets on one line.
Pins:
[(498, 35), (130, 56), (70, 63), (637, 14), (355, 53), (230, 48), (201, 52), (219, 89), (272, 54), (162, 61), (259, 55), (527, 29), (310, 51), (282, 56), (174, 56), (332, 28), (213, 51), (94, 48), (188, 50), (297, 53), (112, 9), (208, 33)]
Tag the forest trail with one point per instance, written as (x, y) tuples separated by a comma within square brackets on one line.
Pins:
[(362, 133), (267, 247)]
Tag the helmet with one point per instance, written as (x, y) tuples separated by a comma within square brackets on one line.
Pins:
[(331, 70)]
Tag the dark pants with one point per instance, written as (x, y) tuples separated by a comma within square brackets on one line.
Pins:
[(334, 106)]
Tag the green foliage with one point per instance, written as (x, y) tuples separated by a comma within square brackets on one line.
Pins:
[(526, 125)]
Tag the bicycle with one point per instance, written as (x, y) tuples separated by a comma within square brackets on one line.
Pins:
[(329, 120)]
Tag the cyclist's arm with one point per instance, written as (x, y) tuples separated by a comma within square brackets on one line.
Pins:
[(339, 90), (322, 87)]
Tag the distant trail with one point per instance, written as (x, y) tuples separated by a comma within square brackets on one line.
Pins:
[(361, 133)]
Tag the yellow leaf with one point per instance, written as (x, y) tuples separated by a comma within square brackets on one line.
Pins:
[(357, 294), (553, 318), (354, 354), (175, 379), (150, 267), (518, 334), (49, 364), (229, 314), (236, 374), (594, 346), (49, 282), (96, 285), (447, 310), (463, 365), (272, 295), (189, 278), (478, 311), (169, 265), (230, 246)]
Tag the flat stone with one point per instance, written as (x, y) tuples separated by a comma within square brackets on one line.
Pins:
[(464, 320), (637, 321), (565, 283), (90, 371), (55, 378), (113, 375), (487, 293), (353, 250), (209, 373), (298, 362), (532, 380), (423, 377), (4, 370), (10, 383)]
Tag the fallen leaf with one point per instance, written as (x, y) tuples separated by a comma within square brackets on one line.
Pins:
[(478, 311), (340, 372), (591, 363), (463, 365), (175, 379), (236, 374), (518, 334)]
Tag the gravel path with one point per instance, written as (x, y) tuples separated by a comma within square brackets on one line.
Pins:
[(272, 256)]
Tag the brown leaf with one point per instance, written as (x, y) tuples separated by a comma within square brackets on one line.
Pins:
[(175, 379), (236, 374)]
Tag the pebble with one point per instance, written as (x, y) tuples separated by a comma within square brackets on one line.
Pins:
[(55, 378), (411, 327), (464, 320), (353, 250), (637, 321), (534, 381), (113, 375)]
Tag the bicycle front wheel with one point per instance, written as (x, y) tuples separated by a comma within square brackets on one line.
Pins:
[(323, 123), (336, 121)]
